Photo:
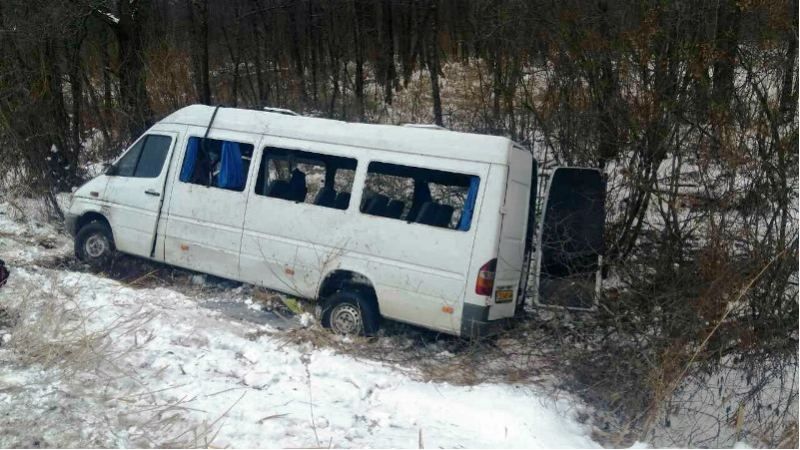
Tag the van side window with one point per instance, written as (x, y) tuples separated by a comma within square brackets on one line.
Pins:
[(145, 159), (298, 176), (216, 163), (431, 197)]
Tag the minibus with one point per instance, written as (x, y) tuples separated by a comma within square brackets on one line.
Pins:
[(421, 225)]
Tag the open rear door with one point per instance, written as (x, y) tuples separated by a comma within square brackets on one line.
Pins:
[(572, 241)]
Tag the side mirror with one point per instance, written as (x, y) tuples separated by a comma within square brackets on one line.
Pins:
[(109, 169)]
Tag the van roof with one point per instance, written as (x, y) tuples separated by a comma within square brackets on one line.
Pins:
[(413, 140)]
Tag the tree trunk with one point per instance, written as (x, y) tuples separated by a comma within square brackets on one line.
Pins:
[(359, 76), (76, 92), (96, 110), (387, 51), (312, 43), (432, 54), (726, 42), (234, 46), (59, 139), (106, 59), (607, 90), (132, 89), (788, 97), (497, 88), (297, 56), (198, 26), (262, 78), (204, 63)]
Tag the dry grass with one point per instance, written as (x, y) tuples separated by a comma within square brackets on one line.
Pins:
[(56, 332), (513, 356), (84, 364), (790, 437)]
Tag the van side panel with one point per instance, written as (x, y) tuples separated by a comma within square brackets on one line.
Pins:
[(476, 307), (290, 246), (419, 272), (204, 224)]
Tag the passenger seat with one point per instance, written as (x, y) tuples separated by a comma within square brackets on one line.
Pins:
[(278, 189), (435, 214), (325, 197), (444, 213), (342, 200), (297, 186), (395, 209), (427, 213), (377, 205)]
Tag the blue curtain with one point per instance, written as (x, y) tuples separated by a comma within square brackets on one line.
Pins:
[(190, 159), (469, 204), (231, 171)]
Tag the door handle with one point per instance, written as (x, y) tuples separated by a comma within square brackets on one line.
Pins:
[(152, 192)]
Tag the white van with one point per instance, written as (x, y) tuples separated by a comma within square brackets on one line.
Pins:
[(425, 226)]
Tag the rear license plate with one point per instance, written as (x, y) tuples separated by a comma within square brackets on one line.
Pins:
[(504, 295)]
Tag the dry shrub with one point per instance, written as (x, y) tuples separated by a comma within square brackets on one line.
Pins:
[(790, 437), (169, 83), (687, 342), (55, 331)]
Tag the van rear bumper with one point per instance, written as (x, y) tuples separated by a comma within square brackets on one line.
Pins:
[(475, 323)]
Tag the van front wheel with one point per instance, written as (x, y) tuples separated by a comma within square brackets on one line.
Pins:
[(351, 312), (94, 245)]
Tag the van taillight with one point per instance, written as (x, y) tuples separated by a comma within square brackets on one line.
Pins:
[(485, 283)]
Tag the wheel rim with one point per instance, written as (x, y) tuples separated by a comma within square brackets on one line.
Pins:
[(95, 246), (346, 319)]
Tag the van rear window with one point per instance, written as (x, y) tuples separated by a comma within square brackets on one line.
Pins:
[(416, 195), (306, 177), (216, 163)]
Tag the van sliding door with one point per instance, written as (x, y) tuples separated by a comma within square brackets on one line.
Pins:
[(208, 201), (572, 239)]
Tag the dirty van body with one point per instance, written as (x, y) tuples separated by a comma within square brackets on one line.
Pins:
[(425, 226)]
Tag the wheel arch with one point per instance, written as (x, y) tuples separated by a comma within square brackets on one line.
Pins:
[(89, 217), (339, 279)]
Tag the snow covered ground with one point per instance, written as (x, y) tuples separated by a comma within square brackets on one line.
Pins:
[(86, 360)]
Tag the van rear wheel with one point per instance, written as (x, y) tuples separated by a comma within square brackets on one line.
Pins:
[(351, 312), (94, 245)]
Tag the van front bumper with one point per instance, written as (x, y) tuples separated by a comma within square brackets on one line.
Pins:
[(475, 323), (70, 220)]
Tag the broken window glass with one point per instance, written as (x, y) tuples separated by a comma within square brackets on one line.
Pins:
[(306, 177)]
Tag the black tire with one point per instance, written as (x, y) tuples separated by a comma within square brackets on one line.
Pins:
[(94, 245), (346, 304), (4, 273)]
